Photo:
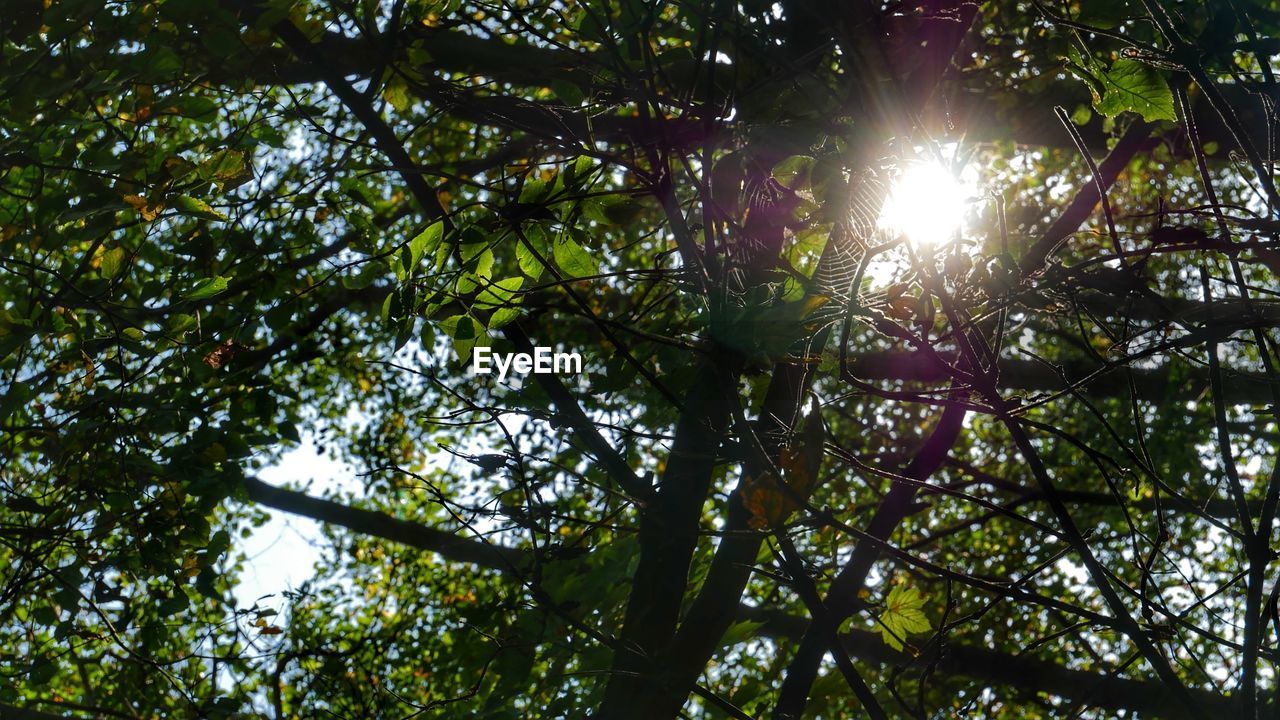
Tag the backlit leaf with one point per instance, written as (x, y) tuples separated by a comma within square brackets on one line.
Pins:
[(1135, 87), (208, 288), (195, 207), (113, 262), (573, 260), (422, 244), (903, 616)]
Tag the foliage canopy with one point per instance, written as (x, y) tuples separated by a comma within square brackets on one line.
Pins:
[(809, 468)]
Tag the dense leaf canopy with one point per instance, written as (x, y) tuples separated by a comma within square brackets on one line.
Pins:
[(810, 466)]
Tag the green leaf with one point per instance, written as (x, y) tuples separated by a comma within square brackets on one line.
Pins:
[(501, 292), (903, 616), (199, 108), (208, 288), (465, 332), (1135, 87), (180, 323), (357, 193), (527, 254), (113, 263), (187, 205), (503, 316), (568, 93), (484, 265), (42, 671), (396, 92), (390, 307), (740, 632), (466, 284), (45, 615), (577, 171), (174, 605), (228, 168), (613, 210), (422, 243), (573, 260), (471, 242), (533, 192), (502, 298), (792, 290), (289, 432), (795, 171), (459, 327)]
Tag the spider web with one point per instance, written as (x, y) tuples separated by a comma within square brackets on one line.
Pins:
[(846, 249)]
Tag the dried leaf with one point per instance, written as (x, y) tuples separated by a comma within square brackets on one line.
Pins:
[(763, 500), (221, 355)]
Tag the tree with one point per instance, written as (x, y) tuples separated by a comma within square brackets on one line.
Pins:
[(812, 466)]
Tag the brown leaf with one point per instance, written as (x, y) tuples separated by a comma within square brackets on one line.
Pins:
[(90, 370), (222, 354), (768, 501), (761, 501), (902, 308)]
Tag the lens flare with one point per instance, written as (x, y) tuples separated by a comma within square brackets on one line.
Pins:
[(926, 204)]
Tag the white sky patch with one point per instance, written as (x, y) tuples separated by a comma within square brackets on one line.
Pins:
[(281, 555)]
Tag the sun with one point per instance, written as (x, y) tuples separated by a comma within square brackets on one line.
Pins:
[(926, 204)]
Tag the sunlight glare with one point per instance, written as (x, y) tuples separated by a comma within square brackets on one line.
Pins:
[(926, 204)]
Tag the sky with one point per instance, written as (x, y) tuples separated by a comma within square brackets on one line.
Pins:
[(282, 554)]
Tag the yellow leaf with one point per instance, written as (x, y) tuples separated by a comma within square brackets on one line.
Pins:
[(139, 203), (903, 616)]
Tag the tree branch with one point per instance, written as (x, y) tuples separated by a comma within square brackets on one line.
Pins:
[(379, 524), (1136, 138), (994, 669)]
